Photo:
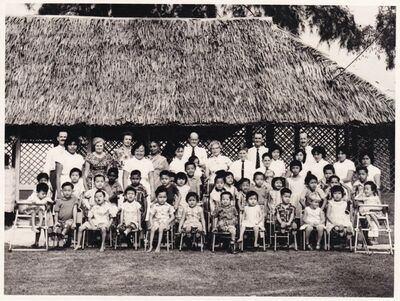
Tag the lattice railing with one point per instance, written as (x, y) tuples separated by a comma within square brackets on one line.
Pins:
[(9, 148), (284, 137), (33, 157)]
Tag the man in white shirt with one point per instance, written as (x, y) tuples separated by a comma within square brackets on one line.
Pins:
[(54, 155), (255, 153), (193, 149), (303, 140), (242, 168)]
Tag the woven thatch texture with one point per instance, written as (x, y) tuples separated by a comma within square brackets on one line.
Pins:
[(65, 71)]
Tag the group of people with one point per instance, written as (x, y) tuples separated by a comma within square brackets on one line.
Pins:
[(136, 188)]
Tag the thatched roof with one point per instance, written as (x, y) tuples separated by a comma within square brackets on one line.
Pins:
[(101, 71)]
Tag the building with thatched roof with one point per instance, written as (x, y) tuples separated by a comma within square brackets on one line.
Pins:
[(162, 78)]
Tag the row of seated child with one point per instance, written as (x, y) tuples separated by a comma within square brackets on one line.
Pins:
[(248, 204)]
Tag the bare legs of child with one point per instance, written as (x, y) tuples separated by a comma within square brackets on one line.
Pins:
[(161, 227), (39, 213), (256, 230), (374, 227), (320, 233)]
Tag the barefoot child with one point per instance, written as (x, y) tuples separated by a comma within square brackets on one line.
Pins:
[(192, 217), (141, 194), (65, 211), (314, 218), (226, 217), (253, 217), (100, 217), (312, 192), (194, 182), (36, 205), (112, 186), (75, 176), (285, 213), (130, 218), (161, 217)]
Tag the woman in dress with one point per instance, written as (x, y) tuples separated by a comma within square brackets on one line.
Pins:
[(123, 153), (68, 161), (217, 161), (97, 162), (144, 165), (374, 173), (160, 163)]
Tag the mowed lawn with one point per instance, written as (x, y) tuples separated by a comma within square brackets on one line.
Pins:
[(129, 272)]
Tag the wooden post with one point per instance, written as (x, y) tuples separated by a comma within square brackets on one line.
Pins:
[(248, 136), (269, 134), (17, 163), (296, 136)]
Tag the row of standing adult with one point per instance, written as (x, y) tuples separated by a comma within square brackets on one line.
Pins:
[(64, 157)]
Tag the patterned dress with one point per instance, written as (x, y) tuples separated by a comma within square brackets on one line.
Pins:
[(98, 166)]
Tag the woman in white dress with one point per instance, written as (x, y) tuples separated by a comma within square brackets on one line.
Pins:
[(69, 160), (144, 165), (344, 168), (217, 161), (317, 168), (374, 173)]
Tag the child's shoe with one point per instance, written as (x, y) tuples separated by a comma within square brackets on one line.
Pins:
[(309, 247), (318, 247)]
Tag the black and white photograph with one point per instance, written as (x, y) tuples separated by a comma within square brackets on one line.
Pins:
[(218, 149)]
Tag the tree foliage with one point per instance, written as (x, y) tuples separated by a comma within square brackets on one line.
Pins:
[(332, 23)]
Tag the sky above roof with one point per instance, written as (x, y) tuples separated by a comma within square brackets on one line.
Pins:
[(365, 15)]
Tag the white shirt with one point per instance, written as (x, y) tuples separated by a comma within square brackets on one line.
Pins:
[(278, 167), (317, 169), (199, 152), (177, 165), (252, 154), (372, 172), (69, 161), (236, 169), (131, 212), (217, 163), (342, 168), (145, 166), (52, 157)]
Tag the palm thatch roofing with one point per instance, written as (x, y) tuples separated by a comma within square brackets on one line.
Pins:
[(107, 71)]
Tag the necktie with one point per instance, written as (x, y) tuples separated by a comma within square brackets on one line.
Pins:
[(257, 159), (193, 153), (242, 172)]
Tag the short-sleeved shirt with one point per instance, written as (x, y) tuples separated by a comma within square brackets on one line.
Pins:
[(262, 193), (285, 211), (101, 213), (358, 187), (163, 212), (177, 165), (194, 184), (372, 172), (141, 195), (65, 208), (172, 191), (227, 214), (296, 185), (113, 189), (342, 168), (68, 162), (89, 196), (317, 169), (318, 195), (214, 164), (79, 188), (215, 198), (131, 212)]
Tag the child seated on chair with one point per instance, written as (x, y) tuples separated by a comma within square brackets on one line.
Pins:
[(76, 179), (274, 195), (65, 210), (161, 217), (36, 205), (44, 178), (362, 178), (230, 185), (226, 217), (100, 217), (88, 200), (338, 213), (313, 218), (253, 217), (112, 187), (285, 213), (193, 216), (194, 181), (335, 181), (130, 218), (215, 195), (370, 197)]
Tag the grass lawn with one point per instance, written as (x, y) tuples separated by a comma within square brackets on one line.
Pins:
[(128, 272)]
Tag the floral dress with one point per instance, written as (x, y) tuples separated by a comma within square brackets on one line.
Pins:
[(98, 166)]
